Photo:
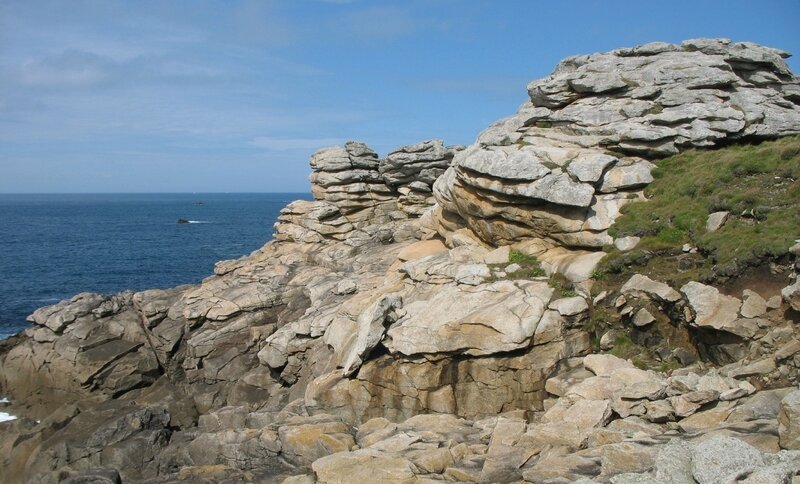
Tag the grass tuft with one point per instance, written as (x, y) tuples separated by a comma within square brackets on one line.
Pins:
[(759, 184)]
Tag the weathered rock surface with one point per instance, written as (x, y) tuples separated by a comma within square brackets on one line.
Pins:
[(789, 421)]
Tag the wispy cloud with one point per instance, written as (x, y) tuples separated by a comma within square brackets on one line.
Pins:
[(74, 68)]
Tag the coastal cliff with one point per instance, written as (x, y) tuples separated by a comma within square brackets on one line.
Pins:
[(474, 314)]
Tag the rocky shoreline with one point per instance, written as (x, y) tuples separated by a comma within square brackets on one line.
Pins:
[(431, 315)]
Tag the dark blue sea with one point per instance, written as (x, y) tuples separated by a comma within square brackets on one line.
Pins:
[(54, 246)]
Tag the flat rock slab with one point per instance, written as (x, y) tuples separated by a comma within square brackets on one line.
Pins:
[(489, 318)]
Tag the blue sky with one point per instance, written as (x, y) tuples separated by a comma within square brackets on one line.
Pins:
[(227, 96)]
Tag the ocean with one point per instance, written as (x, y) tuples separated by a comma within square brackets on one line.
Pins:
[(55, 246)]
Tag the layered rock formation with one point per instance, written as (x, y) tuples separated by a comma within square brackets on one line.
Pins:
[(398, 327), (352, 189), (562, 167)]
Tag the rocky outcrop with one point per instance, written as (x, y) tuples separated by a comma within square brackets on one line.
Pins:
[(412, 170), (562, 167), (431, 315), (354, 189)]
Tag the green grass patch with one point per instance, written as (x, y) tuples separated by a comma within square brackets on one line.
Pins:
[(521, 258), (642, 357), (761, 181), (530, 267)]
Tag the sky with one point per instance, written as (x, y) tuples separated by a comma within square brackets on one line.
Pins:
[(234, 96)]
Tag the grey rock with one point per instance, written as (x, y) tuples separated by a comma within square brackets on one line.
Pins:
[(625, 244), (627, 176), (789, 421), (371, 326), (589, 167), (716, 220), (721, 458), (713, 309), (791, 294), (643, 318), (753, 305), (640, 284)]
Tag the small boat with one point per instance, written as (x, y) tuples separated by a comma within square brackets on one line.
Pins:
[(183, 221)]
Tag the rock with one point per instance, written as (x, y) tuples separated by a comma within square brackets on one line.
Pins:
[(503, 457), (300, 479), (569, 306), (502, 316), (716, 220), (659, 411), (304, 440), (625, 457), (627, 176), (605, 365), (791, 294), (58, 316), (363, 465), (550, 328), (706, 419), (472, 274), (753, 305), (499, 255), (639, 284), (774, 302), (371, 326), (643, 318), (788, 350), (95, 476), (422, 162), (625, 244), (644, 101), (569, 424), (589, 167), (673, 464), (609, 339), (116, 434), (421, 249), (722, 458), (733, 394), (557, 465), (636, 384), (583, 413), (789, 421), (760, 367), (712, 309), (449, 385), (346, 286)]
